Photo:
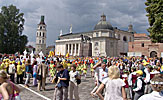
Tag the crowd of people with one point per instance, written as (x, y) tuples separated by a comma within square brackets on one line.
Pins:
[(116, 78)]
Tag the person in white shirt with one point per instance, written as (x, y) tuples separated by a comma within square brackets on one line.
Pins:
[(147, 80), (131, 77), (115, 89), (100, 75), (157, 87), (139, 85), (74, 75), (12, 71)]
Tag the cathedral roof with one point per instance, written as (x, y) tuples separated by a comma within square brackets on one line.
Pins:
[(103, 24)]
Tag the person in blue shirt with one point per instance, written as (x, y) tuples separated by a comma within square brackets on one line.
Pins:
[(62, 79), (28, 68)]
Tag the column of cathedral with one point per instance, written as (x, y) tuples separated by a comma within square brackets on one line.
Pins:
[(73, 51), (68, 51)]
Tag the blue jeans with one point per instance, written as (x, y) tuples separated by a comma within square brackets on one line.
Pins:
[(27, 78)]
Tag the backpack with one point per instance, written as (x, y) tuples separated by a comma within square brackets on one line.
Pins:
[(78, 81)]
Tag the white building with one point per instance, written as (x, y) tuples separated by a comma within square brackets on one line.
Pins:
[(41, 37), (104, 40)]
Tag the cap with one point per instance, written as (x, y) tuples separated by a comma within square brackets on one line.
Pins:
[(145, 63), (140, 72)]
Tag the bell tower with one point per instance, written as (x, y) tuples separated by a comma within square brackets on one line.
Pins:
[(41, 37)]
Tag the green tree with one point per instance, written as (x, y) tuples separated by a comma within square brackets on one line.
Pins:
[(11, 27), (155, 17)]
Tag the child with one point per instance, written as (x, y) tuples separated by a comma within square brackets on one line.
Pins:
[(85, 69)]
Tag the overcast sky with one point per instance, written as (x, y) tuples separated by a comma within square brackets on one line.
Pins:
[(82, 14)]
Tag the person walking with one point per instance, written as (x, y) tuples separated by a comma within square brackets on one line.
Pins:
[(28, 68), (74, 75), (61, 88), (34, 73), (43, 72)]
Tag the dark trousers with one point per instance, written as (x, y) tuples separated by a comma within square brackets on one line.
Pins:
[(20, 79), (138, 95), (12, 77)]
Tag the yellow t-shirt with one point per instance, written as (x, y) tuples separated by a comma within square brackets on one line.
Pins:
[(2, 66), (19, 70), (23, 67), (65, 66)]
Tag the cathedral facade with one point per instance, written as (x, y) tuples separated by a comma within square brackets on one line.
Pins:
[(104, 40)]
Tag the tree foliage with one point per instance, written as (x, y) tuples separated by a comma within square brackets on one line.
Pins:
[(155, 17), (11, 27)]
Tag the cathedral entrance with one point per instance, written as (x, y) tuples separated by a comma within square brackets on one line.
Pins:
[(153, 54)]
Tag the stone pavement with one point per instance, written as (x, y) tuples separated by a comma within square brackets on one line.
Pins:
[(84, 90)]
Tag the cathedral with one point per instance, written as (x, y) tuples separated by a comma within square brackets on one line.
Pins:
[(103, 40)]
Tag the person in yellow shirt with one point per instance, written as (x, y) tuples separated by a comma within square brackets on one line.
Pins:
[(23, 67), (5, 68), (2, 65), (19, 73), (65, 66), (85, 69), (68, 64), (92, 70)]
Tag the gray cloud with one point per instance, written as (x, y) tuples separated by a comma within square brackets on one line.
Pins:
[(82, 14)]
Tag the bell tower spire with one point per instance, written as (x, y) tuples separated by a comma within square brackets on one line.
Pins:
[(41, 37)]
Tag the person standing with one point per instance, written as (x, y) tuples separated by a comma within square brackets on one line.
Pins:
[(115, 87), (157, 88), (139, 85), (74, 75), (62, 79), (85, 69), (91, 65), (12, 71), (19, 73), (43, 71), (52, 70)]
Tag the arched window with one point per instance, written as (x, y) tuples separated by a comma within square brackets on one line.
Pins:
[(119, 36), (142, 44), (96, 48), (110, 34), (40, 27), (130, 39), (96, 43), (43, 34), (97, 35), (125, 39), (40, 33), (43, 41), (39, 41)]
